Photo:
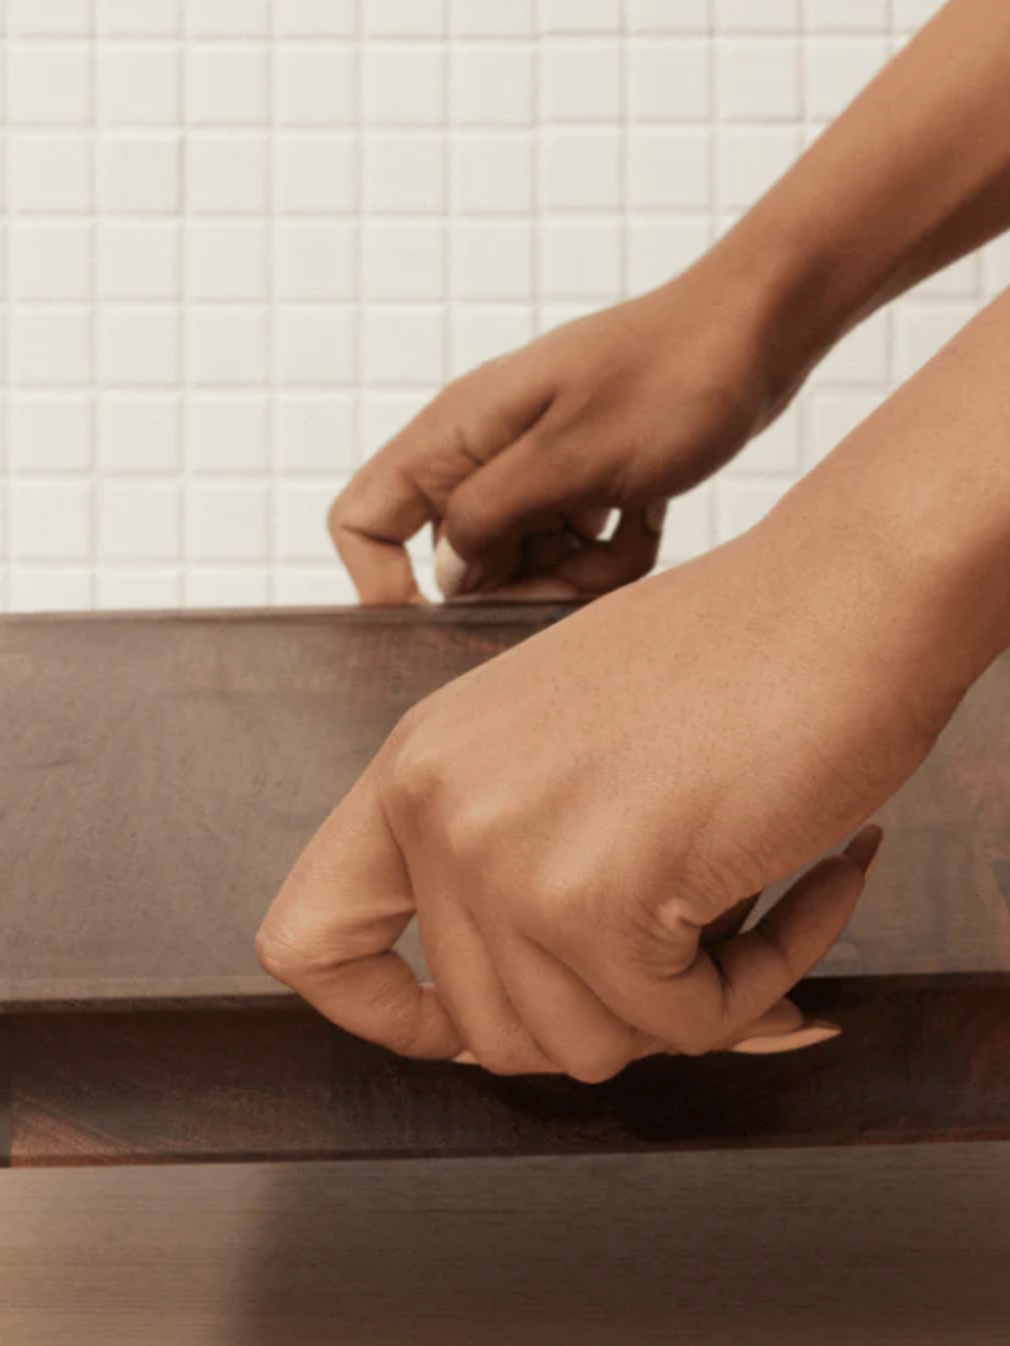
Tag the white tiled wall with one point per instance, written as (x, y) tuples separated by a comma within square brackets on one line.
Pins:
[(243, 240)]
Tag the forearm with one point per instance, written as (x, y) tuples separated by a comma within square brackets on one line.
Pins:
[(914, 174), (912, 512)]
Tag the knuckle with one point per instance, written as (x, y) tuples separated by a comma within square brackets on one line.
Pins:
[(469, 830), (413, 767), (595, 1067), (499, 1060), (282, 954)]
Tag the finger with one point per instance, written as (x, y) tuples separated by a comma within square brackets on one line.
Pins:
[(330, 932), (763, 964), (696, 1000), (408, 483), (573, 572), (529, 488), (469, 985), (578, 1033), (731, 922), (629, 555)]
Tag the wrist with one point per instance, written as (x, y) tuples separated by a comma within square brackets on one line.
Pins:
[(916, 562)]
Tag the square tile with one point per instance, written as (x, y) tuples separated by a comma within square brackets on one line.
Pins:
[(581, 260), (226, 174), (138, 176), (315, 85), (315, 347), (50, 261), (492, 261), (48, 85), (403, 347), (49, 347), (492, 173), (315, 176), (138, 346), (226, 262), (138, 521), (402, 86), (315, 261), (227, 522), (580, 81), (315, 433), (139, 433), (227, 86), (138, 261), (50, 433), (403, 173), (403, 261), (492, 85), (758, 78), (138, 86), (669, 81), (581, 170), (49, 175), (669, 169), (227, 346), (227, 432)]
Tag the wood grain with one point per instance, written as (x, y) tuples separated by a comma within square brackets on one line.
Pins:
[(159, 775), (843, 1248)]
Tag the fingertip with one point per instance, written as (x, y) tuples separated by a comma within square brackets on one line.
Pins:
[(864, 847)]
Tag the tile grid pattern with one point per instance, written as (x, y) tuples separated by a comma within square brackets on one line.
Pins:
[(243, 240)]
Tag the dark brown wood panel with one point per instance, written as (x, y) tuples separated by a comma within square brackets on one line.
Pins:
[(158, 776), (844, 1248), (917, 1061)]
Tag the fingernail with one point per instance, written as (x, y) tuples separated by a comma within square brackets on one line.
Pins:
[(655, 517), (466, 1059), (450, 569), (814, 1031), (863, 847)]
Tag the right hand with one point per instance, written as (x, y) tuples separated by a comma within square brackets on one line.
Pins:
[(517, 464)]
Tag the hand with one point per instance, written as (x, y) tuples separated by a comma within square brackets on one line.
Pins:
[(567, 819), (517, 464)]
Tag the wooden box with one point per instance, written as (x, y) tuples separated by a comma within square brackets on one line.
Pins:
[(159, 775)]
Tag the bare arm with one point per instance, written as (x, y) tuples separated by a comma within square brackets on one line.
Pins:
[(516, 463)]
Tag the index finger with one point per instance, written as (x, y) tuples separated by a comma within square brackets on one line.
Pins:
[(409, 482), (330, 931)]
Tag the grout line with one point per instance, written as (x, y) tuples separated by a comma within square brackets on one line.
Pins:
[(624, 143), (804, 414), (182, 409), (272, 521), (358, 243), (7, 271), (93, 326), (715, 215), (537, 218)]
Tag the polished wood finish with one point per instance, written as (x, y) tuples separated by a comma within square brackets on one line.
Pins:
[(884, 1247), (158, 775)]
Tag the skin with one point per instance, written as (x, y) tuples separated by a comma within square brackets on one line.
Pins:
[(578, 824)]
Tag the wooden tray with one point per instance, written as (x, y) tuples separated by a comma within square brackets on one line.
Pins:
[(159, 775)]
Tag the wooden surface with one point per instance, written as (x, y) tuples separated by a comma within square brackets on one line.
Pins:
[(159, 775), (846, 1248)]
